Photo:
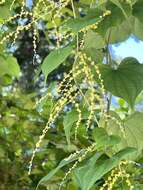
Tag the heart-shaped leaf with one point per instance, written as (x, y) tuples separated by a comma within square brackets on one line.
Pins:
[(126, 81)]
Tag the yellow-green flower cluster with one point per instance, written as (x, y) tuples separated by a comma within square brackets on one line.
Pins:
[(95, 26), (79, 159), (116, 174)]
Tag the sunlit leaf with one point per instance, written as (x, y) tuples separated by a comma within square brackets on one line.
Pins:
[(54, 59), (9, 65)]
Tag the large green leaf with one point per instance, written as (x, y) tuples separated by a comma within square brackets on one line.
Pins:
[(117, 2), (89, 173), (113, 20), (83, 171), (63, 163), (126, 81), (55, 58), (103, 139), (94, 43), (95, 54), (9, 65), (93, 40), (138, 19), (138, 29), (133, 132), (132, 25), (77, 24), (137, 10), (118, 33)]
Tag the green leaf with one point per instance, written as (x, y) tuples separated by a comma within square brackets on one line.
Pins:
[(63, 163), (93, 40), (95, 54), (75, 25), (103, 139), (94, 44), (126, 81), (5, 80), (82, 172), (118, 33), (137, 10), (55, 58), (125, 187), (116, 2), (113, 20), (9, 65), (138, 29), (70, 118), (4, 12), (89, 173), (133, 128), (138, 187)]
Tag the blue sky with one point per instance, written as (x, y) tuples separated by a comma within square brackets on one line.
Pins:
[(29, 3), (132, 47)]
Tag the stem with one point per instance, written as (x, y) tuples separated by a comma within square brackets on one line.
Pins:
[(109, 100), (73, 8), (109, 62), (74, 14)]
